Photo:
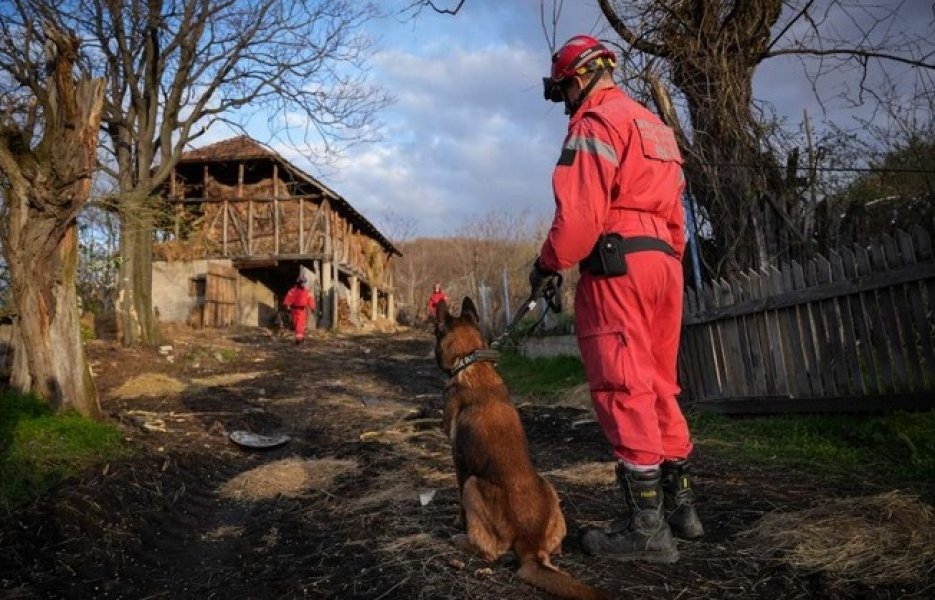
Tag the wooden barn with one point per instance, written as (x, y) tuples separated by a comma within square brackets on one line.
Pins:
[(241, 223)]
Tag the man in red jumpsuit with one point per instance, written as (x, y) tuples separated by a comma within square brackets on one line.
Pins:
[(618, 216), (299, 301), (437, 296)]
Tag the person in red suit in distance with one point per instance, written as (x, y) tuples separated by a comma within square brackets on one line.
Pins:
[(437, 296), (618, 216), (299, 301)]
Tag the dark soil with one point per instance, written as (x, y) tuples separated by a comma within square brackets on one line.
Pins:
[(158, 526)]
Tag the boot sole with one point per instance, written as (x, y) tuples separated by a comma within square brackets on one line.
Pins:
[(690, 536)]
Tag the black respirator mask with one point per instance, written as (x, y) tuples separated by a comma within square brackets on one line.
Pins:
[(551, 90)]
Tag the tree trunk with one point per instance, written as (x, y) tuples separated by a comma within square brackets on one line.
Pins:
[(47, 335), (135, 322), (44, 189)]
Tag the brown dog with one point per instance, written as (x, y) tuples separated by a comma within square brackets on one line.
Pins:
[(505, 504)]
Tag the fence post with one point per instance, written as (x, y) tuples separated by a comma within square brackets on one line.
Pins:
[(506, 296)]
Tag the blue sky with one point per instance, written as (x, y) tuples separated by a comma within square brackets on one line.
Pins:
[(469, 133)]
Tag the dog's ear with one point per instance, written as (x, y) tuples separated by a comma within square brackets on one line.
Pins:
[(469, 310), (441, 317)]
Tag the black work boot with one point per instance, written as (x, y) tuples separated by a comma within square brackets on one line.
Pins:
[(646, 535), (678, 501)]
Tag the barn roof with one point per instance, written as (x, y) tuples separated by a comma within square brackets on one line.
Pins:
[(243, 148)]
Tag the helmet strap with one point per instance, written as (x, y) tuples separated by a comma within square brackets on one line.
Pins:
[(572, 107)]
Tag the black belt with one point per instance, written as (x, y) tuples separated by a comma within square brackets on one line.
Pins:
[(607, 257)]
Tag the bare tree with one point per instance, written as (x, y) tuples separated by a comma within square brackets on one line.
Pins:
[(452, 7), (708, 52), (174, 68), (48, 143)]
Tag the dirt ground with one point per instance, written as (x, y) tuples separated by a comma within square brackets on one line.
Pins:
[(361, 502)]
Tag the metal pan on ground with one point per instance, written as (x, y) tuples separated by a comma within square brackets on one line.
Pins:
[(257, 441)]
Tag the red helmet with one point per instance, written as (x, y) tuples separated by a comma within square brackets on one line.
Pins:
[(576, 54)]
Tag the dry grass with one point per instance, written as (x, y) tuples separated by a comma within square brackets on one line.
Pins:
[(291, 477), (576, 397), (888, 538), (148, 384), (414, 541), (226, 379), (590, 474)]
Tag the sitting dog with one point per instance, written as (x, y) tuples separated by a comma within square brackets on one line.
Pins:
[(505, 504)]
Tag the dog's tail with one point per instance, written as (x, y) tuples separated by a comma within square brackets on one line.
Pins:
[(536, 569)]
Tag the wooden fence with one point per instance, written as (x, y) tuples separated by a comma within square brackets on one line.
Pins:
[(851, 331)]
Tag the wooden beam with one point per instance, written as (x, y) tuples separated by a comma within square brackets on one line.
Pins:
[(275, 208), (301, 225), (254, 262), (173, 192), (226, 209)]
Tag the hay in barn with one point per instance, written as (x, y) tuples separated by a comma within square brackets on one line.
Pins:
[(374, 259), (889, 538)]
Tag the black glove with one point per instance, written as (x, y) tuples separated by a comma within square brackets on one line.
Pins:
[(538, 276)]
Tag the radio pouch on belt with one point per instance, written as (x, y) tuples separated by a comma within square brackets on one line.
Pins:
[(607, 257)]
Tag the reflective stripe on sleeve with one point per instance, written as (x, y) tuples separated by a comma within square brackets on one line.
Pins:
[(594, 146)]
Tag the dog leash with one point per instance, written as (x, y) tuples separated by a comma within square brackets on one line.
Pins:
[(550, 290)]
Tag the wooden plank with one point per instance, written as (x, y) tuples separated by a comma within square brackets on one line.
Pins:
[(922, 322), (709, 349), (734, 351), (739, 285), (719, 345), (903, 312), (690, 379), (250, 216), (773, 335), (226, 209), (728, 344), (808, 335), (173, 196), (697, 349), (866, 360), (874, 322), (762, 319), (851, 366), (820, 332), (301, 225), (922, 242), (276, 231), (796, 371), (751, 288), (772, 279), (829, 311), (890, 321)]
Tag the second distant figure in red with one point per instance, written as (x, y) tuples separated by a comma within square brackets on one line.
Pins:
[(437, 296), (299, 301)]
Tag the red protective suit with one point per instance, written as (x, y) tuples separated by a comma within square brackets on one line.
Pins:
[(620, 171), (434, 299), (299, 300)]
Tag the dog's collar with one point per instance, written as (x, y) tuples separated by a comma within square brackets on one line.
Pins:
[(481, 355)]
